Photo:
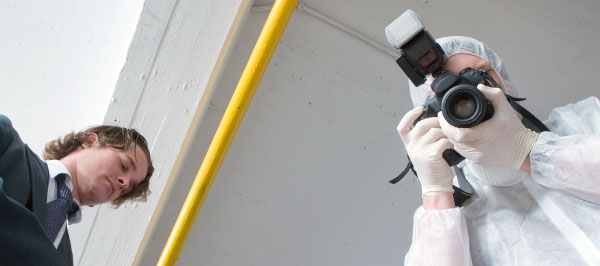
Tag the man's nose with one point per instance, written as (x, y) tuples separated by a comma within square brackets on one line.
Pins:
[(123, 182)]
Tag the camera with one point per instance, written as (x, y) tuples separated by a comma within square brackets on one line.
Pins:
[(456, 96)]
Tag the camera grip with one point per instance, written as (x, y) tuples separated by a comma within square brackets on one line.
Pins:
[(452, 157)]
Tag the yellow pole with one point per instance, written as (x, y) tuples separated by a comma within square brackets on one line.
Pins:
[(255, 68)]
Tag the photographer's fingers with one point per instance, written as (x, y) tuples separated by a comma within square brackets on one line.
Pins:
[(425, 126), (454, 133), (443, 144), (448, 129), (494, 95), (407, 120), (433, 135)]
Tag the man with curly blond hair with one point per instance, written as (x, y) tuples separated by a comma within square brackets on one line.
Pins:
[(37, 198)]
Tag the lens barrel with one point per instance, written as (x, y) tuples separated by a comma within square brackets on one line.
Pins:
[(465, 106)]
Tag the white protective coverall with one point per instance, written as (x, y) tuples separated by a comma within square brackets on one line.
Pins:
[(551, 217)]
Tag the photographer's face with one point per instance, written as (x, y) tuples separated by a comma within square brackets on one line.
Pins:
[(458, 62)]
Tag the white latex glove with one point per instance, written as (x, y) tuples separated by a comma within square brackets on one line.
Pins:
[(424, 144), (500, 141)]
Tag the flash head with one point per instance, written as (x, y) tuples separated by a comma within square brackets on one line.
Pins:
[(404, 28), (420, 53)]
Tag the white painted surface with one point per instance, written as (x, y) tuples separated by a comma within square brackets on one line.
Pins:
[(305, 181)]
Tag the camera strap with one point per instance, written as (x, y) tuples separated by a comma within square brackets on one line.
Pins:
[(528, 119), (409, 166)]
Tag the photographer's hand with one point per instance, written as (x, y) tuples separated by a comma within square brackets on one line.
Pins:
[(501, 141), (424, 144)]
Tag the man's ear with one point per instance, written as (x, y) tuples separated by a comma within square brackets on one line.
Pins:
[(90, 140)]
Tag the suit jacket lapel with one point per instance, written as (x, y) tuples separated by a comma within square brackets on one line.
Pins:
[(39, 185)]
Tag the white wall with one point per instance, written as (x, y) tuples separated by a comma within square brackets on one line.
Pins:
[(60, 63)]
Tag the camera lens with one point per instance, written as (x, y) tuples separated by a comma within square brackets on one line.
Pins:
[(465, 106)]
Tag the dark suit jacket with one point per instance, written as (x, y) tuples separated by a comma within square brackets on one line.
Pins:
[(23, 192)]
